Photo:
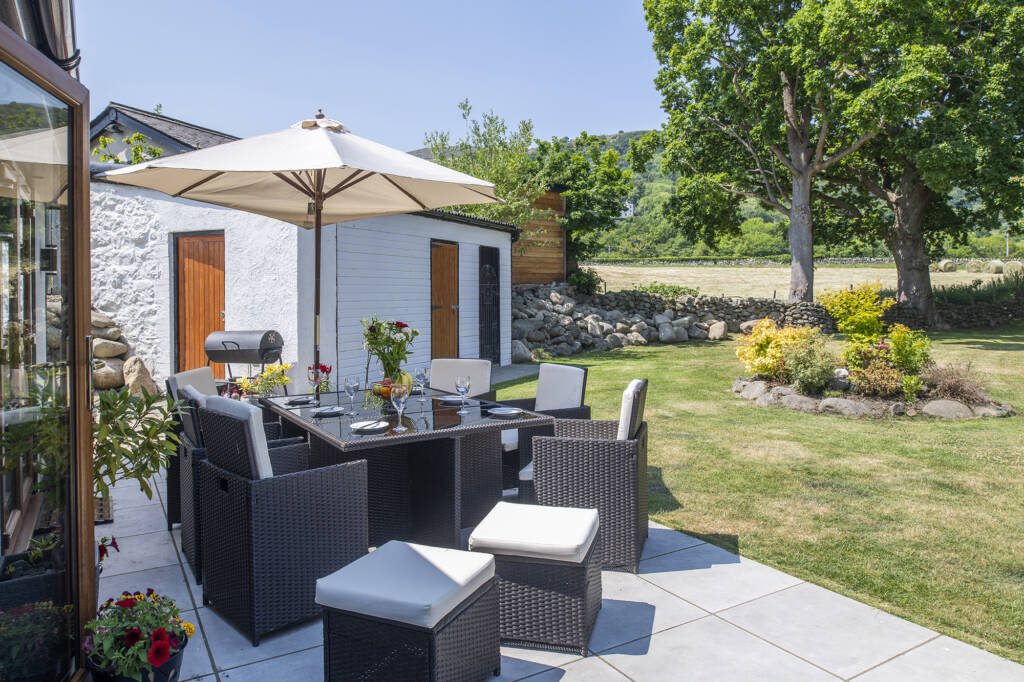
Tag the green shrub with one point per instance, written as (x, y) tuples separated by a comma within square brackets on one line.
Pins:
[(880, 378), (666, 290), (586, 280), (909, 350), (858, 310), (911, 387), (763, 351), (810, 362)]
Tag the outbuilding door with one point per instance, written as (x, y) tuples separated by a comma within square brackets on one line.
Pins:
[(200, 298), (444, 299), (490, 305)]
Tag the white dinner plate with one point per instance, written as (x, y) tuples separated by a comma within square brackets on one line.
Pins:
[(504, 411), (370, 426), (450, 399), (329, 412)]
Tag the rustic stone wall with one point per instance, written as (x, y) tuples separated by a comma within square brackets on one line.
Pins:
[(977, 315)]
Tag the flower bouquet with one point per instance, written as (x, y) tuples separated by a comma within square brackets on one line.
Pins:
[(265, 383), (323, 377), (136, 637), (389, 342)]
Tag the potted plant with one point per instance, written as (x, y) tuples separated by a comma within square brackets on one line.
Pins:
[(136, 637), (35, 575), (388, 341), (269, 380), (34, 638)]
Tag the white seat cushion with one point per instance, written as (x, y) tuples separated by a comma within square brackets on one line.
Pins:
[(201, 378), (257, 437), (631, 414), (192, 393), (409, 583), (444, 370), (526, 473), (560, 387), (510, 440), (531, 530)]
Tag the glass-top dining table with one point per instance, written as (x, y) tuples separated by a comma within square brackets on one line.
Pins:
[(443, 473)]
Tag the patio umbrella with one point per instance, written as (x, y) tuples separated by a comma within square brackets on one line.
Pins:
[(314, 171)]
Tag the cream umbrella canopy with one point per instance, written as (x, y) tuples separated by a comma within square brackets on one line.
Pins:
[(312, 172)]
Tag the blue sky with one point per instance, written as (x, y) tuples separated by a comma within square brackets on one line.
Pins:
[(389, 70)]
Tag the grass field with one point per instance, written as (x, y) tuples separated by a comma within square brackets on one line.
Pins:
[(760, 281), (920, 518)]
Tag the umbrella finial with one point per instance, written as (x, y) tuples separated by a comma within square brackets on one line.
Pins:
[(320, 113)]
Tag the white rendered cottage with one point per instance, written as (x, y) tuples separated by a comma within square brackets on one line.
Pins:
[(171, 270)]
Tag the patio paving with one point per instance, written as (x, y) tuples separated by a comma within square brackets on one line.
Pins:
[(694, 612)]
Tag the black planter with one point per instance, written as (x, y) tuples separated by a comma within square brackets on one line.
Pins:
[(170, 671), (47, 586)]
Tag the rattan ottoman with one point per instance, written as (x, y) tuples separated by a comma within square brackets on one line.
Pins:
[(548, 563), (411, 612)]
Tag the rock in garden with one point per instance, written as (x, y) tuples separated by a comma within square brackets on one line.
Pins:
[(718, 331), (844, 407), (605, 329), (556, 297), (520, 353), (601, 345), (1014, 268), (896, 410), (109, 333), (780, 391), (563, 349), (101, 319), (615, 340), (696, 332), (108, 374), (739, 385), (636, 338), (946, 265), (992, 410), (621, 327), (754, 390), (536, 336), (660, 319), (686, 320), (681, 334), (666, 333), (767, 399), (800, 403), (748, 326), (994, 267), (104, 348), (137, 377), (946, 409)]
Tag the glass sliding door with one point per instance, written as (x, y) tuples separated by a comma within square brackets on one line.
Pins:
[(38, 567)]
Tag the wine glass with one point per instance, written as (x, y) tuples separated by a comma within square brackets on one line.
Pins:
[(421, 382), (351, 387), (399, 394), (462, 386)]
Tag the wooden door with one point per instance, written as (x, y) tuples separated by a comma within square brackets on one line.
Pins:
[(444, 300), (200, 298), (490, 305)]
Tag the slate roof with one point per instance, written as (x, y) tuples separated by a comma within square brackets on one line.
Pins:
[(188, 134)]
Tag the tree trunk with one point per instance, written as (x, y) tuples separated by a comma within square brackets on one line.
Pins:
[(801, 241), (909, 250)]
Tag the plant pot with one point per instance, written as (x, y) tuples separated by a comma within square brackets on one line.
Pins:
[(170, 671), (46, 586)]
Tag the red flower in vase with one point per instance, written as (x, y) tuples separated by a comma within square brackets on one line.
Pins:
[(401, 325), (159, 653), (132, 637)]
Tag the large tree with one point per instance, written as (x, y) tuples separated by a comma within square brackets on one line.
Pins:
[(948, 168), (759, 105)]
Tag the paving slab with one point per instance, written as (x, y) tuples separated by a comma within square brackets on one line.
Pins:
[(712, 578), (713, 650), (196, 662), (946, 659), (518, 663), (661, 540), (510, 372), (588, 669), (835, 632), (147, 518), (302, 665), (166, 580), (139, 553), (231, 648), (633, 608)]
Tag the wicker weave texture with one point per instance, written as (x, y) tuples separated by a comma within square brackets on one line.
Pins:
[(480, 470), (463, 647)]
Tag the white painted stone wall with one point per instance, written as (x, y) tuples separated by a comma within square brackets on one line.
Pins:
[(382, 267)]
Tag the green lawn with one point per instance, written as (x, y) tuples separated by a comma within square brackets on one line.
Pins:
[(921, 518)]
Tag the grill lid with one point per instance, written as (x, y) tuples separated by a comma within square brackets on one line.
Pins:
[(254, 347)]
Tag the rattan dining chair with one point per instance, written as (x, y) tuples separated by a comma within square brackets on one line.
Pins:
[(271, 526), (600, 464)]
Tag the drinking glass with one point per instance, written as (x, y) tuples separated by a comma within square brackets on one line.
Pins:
[(421, 382), (399, 394), (351, 387), (462, 386)]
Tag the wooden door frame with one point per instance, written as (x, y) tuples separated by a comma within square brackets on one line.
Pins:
[(33, 65), (173, 244), (458, 295)]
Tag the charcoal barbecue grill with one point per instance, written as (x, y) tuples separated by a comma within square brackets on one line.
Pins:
[(254, 347)]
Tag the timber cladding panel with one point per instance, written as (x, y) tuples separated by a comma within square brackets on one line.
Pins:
[(539, 255)]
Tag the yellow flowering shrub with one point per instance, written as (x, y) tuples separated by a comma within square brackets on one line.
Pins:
[(273, 376), (764, 351), (858, 310)]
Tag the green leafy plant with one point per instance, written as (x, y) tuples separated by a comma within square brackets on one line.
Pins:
[(270, 379), (858, 310), (31, 636), (909, 350), (136, 147), (667, 290), (911, 387), (764, 351), (810, 363), (135, 633), (389, 342), (134, 436), (586, 280)]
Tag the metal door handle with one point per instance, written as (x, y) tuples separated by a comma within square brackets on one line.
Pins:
[(455, 307)]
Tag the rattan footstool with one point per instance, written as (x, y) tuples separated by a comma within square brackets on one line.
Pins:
[(411, 612), (548, 562)]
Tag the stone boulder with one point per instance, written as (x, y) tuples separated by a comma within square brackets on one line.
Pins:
[(636, 338), (718, 331), (108, 373), (697, 332), (946, 265), (686, 320), (666, 333), (101, 319), (946, 409), (616, 340), (800, 403), (109, 333), (748, 326), (739, 385), (522, 328), (844, 407), (137, 377), (520, 353), (767, 399), (997, 410), (104, 348), (754, 390)]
